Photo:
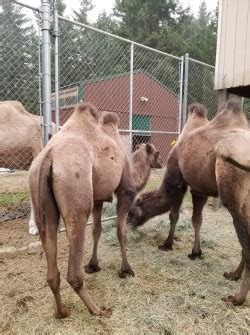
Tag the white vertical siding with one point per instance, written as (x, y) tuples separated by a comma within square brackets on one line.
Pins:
[(233, 44)]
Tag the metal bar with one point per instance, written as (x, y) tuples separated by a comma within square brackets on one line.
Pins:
[(39, 69), (27, 6), (149, 132), (180, 93), (131, 96), (116, 37), (185, 90), (55, 32), (46, 70), (201, 63), (90, 222)]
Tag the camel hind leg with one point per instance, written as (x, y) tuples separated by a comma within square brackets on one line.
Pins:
[(93, 266), (199, 200), (236, 274), (49, 241), (74, 196), (234, 191)]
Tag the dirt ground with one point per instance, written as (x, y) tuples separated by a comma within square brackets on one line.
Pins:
[(170, 293)]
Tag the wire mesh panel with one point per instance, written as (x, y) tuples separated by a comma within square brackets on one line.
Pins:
[(201, 86), (93, 68), (20, 130), (139, 84)]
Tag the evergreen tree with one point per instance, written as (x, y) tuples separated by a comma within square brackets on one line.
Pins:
[(19, 61), (82, 14)]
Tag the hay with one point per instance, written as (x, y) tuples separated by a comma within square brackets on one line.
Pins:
[(169, 295)]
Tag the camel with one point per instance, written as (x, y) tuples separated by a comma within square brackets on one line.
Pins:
[(20, 140), (79, 169), (144, 159), (213, 160)]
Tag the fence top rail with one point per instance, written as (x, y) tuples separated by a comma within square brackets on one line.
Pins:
[(27, 6), (117, 37), (201, 63)]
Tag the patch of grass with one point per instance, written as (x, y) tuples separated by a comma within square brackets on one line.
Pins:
[(13, 198)]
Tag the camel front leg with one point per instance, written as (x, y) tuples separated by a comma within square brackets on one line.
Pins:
[(173, 217), (93, 266), (236, 274), (199, 200), (124, 203), (32, 224)]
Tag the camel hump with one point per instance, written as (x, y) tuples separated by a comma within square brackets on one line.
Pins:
[(109, 117), (198, 109), (87, 107), (234, 148), (232, 104)]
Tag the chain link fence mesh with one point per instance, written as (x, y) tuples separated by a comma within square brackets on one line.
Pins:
[(201, 86), (20, 130)]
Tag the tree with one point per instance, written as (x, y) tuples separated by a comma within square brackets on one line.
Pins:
[(203, 39), (106, 23), (82, 14), (19, 62)]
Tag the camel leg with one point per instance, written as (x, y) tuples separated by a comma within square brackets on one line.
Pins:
[(199, 200), (244, 238), (32, 224), (125, 200), (236, 274), (173, 217), (49, 241), (75, 227), (96, 232)]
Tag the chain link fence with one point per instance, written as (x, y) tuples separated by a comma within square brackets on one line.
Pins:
[(20, 130), (149, 90)]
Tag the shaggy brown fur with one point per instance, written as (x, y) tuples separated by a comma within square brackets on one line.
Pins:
[(210, 171), (81, 167)]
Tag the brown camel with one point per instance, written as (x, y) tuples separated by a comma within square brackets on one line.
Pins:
[(143, 160), (213, 160), (76, 172)]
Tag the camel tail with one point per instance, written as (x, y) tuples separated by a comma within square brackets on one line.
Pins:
[(237, 164), (43, 187)]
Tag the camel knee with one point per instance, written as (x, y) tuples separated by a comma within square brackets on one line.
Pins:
[(75, 281), (53, 279)]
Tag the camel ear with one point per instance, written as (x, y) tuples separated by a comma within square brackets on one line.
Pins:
[(149, 148), (137, 146)]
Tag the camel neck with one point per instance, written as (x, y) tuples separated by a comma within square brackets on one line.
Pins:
[(140, 170)]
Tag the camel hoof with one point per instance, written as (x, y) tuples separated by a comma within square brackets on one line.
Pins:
[(105, 312), (64, 313), (126, 273), (195, 255), (90, 268), (231, 276), (165, 247), (233, 300)]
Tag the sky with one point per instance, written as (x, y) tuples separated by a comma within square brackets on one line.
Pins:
[(100, 5)]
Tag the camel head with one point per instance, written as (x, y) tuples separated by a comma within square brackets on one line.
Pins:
[(137, 215), (197, 110), (151, 154), (147, 206)]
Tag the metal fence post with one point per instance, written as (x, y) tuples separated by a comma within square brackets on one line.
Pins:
[(131, 96), (181, 68), (46, 70), (185, 90), (55, 33)]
